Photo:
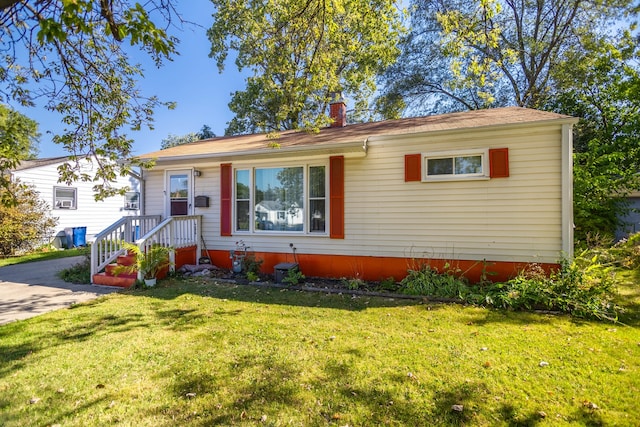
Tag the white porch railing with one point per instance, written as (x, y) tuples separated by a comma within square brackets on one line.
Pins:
[(145, 231), (107, 244)]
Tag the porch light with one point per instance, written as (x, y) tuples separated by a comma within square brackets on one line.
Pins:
[(196, 173)]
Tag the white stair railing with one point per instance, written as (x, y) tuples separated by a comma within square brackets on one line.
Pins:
[(146, 231), (107, 244), (176, 232)]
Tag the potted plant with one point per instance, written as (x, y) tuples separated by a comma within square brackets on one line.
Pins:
[(147, 263)]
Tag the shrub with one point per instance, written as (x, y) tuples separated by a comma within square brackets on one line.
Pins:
[(353, 283), (79, 273), (251, 264), (293, 277), (582, 288), (429, 282), (25, 225), (388, 284), (625, 253)]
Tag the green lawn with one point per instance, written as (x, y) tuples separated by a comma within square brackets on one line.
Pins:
[(44, 255), (197, 353)]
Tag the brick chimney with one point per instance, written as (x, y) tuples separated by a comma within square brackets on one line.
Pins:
[(338, 111)]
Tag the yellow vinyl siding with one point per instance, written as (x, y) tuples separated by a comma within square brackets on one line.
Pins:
[(503, 219), (506, 219)]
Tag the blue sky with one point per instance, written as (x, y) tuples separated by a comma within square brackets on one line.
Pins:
[(191, 79)]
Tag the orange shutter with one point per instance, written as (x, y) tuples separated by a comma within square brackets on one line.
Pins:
[(226, 190), (499, 162), (336, 196), (412, 167)]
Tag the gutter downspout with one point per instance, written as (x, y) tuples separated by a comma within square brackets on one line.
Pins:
[(567, 191)]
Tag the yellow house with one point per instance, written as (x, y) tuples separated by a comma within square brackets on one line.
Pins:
[(481, 189)]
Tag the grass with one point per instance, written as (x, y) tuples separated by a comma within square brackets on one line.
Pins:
[(44, 255), (200, 353)]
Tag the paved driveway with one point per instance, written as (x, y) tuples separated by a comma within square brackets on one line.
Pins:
[(33, 288)]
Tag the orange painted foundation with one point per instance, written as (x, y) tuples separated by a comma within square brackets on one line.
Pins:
[(370, 268), (185, 256)]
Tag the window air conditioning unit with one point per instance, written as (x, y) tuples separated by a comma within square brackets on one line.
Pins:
[(67, 204)]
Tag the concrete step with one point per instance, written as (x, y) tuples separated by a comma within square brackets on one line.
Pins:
[(121, 281), (111, 269), (129, 259)]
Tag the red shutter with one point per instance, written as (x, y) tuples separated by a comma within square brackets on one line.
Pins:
[(499, 162), (336, 195), (412, 167), (226, 189)]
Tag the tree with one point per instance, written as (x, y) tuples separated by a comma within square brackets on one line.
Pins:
[(300, 53), (599, 82), (174, 140), (25, 225), (206, 132), (70, 54), (18, 141), (465, 54)]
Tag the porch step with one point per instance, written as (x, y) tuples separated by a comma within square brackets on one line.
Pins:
[(111, 269), (121, 281), (128, 259), (110, 278)]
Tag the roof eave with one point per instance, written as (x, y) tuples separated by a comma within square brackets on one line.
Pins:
[(391, 136), (350, 149)]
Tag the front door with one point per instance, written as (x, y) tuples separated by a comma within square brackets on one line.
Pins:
[(179, 191)]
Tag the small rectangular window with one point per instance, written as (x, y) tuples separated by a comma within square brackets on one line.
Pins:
[(64, 198), (132, 201), (455, 165)]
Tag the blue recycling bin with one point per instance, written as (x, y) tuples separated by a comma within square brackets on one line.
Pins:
[(79, 236), (136, 233)]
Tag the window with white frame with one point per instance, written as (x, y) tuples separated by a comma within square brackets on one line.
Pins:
[(131, 201), (456, 165), (281, 199), (64, 198)]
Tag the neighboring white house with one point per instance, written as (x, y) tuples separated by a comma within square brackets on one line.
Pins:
[(487, 189), (75, 205)]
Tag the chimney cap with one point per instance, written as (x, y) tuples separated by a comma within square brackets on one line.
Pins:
[(336, 98)]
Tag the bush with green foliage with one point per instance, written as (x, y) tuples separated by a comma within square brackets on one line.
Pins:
[(79, 273), (293, 277), (25, 225), (623, 254), (427, 281), (583, 288), (354, 283), (251, 265), (388, 284)]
